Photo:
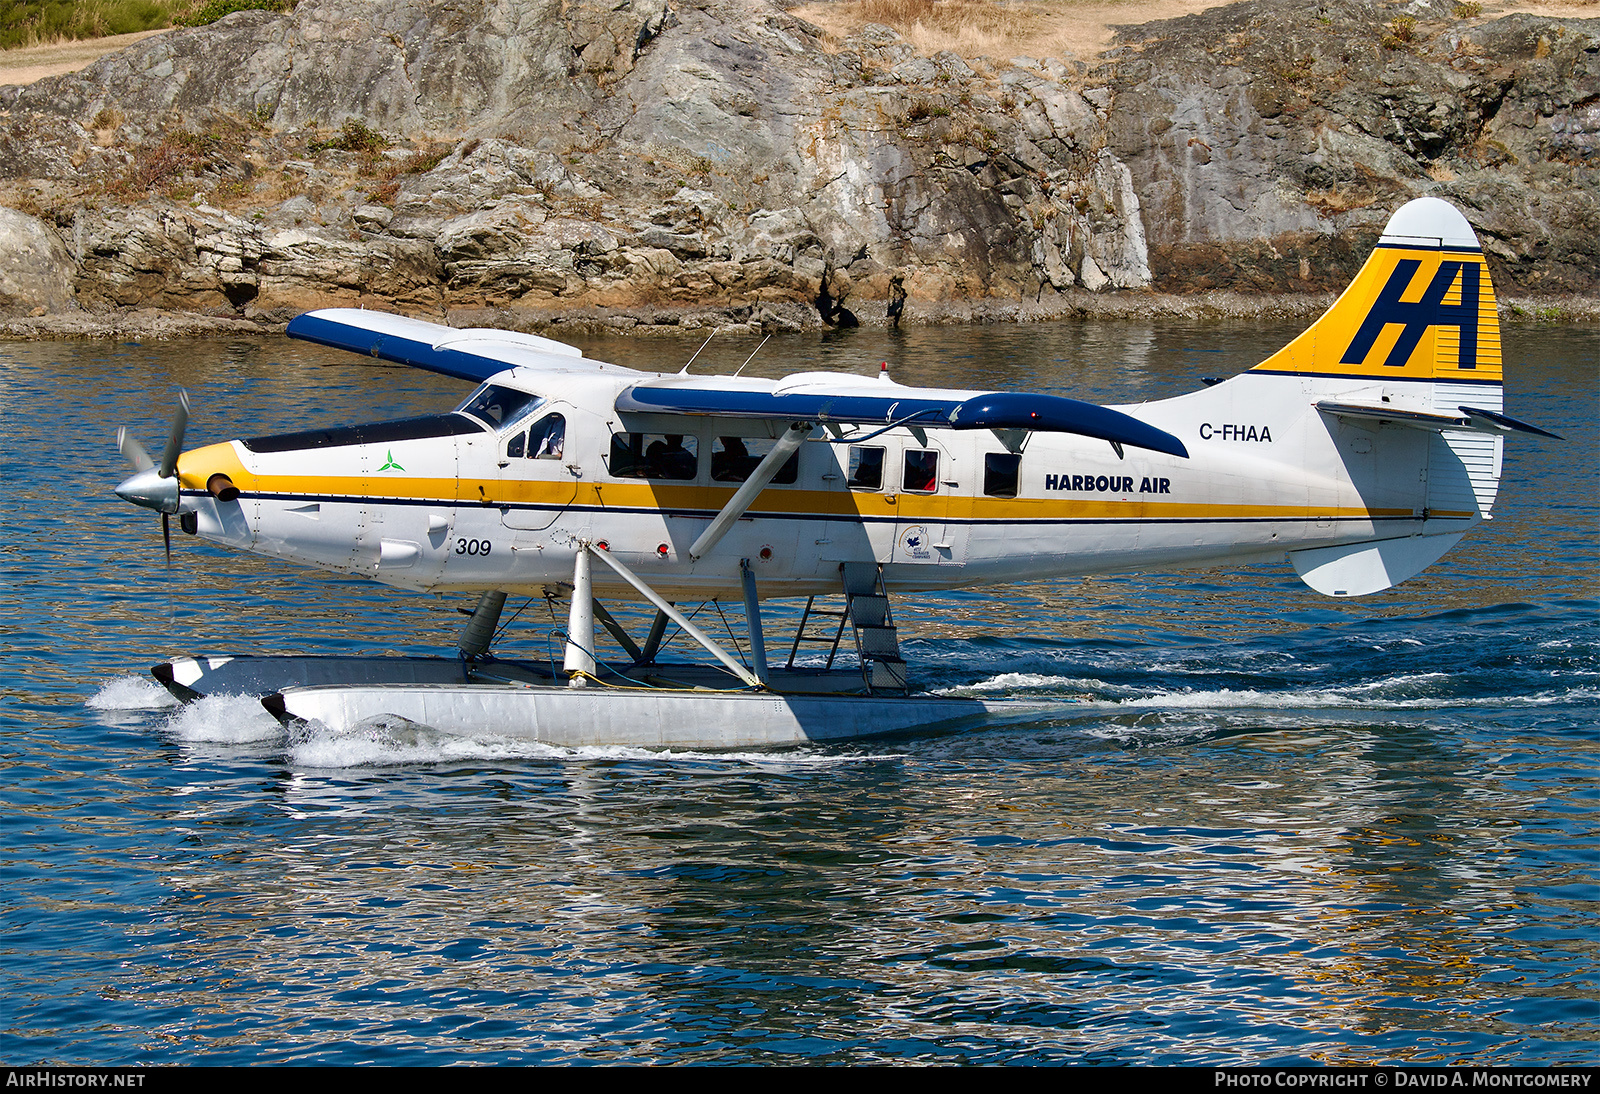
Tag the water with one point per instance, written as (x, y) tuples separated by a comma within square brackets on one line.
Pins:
[(1261, 827)]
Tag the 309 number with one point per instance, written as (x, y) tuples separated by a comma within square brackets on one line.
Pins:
[(473, 546)]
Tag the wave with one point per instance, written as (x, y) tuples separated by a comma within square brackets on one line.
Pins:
[(131, 693), (224, 719), (1412, 691)]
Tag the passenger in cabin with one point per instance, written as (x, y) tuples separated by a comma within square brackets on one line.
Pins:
[(668, 459), (730, 463), (922, 471), (866, 467)]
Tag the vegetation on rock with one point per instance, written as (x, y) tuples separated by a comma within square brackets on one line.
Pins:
[(213, 10), (727, 154)]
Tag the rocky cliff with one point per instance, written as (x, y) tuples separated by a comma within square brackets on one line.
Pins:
[(525, 161)]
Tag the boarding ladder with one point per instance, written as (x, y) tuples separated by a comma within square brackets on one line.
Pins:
[(866, 611)]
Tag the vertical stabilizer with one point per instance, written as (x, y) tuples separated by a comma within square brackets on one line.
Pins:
[(1422, 308), (1417, 333)]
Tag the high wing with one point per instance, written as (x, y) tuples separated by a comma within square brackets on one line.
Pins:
[(856, 400), (476, 354), (471, 353)]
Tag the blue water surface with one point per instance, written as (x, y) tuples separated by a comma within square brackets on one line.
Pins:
[(1255, 826)]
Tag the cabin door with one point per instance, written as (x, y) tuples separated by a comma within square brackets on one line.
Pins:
[(924, 534)]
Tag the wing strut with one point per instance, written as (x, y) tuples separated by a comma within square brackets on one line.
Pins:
[(744, 497)]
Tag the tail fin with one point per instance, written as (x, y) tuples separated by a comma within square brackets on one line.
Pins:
[(1385, 416), (1422, 308), (1412, 344)]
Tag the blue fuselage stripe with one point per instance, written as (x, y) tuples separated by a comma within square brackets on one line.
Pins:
[(708, 514)]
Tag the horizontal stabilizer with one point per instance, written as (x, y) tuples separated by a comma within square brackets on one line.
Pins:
[(866, 403), (1356, 569), (1489, 421), (1472, 419), (470, 354)]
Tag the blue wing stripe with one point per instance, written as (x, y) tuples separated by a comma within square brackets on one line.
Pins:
[(390, 347), (1057, 414), (996, 410)]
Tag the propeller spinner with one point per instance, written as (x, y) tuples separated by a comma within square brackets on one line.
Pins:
[(151, 486)]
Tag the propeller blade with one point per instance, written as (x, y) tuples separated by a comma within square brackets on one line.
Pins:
[(133, 451), (180, 422), (166, 537)]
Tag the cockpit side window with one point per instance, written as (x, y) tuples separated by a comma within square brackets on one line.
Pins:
[(500, 407), (548, 438), (545, 440)]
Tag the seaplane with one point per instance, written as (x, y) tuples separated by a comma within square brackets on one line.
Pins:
[(1363, 451)]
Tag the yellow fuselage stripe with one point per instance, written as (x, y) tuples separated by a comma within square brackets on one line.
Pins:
[(776, 503)]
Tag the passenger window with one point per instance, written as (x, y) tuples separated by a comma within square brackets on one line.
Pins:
[(734, 459), (922, 471), (1000, 474), (654, 456), (866, 468)]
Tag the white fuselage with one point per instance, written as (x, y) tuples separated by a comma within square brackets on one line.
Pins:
[(477, 510)]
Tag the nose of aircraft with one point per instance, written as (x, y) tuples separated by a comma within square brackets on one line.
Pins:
[(150, 489), (152, 486)]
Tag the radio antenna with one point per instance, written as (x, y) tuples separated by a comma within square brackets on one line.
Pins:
[(684, 371), (752, 357)]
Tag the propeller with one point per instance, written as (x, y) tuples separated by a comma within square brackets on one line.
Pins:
[(152, 486)]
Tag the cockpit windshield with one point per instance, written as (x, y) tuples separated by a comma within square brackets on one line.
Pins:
[(499, 407)]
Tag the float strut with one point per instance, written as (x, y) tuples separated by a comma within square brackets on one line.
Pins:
[(624, 639), (752, 617), (652, 642), (580, 623), (478, 631), (676, 616)]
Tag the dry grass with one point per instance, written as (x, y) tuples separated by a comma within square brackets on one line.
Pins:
[(1554, 9), (998, 28), (38, 22), (1003, 29), (968, 27)]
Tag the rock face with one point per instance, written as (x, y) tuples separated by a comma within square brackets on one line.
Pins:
[(35, 268), (1253, 130), (637, 161)]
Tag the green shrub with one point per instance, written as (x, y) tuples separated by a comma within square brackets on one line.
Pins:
[(925, 108), (213, 10), (1401, 33), (354, 136)]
